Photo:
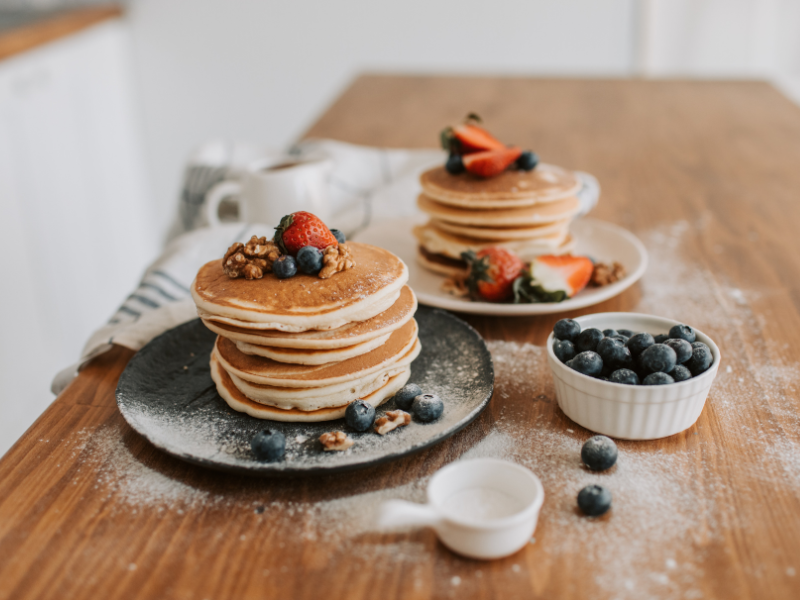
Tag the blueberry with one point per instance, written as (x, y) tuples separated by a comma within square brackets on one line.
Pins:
[(588, 340), (594, 500), (455, 164), (683, 349), (659, 357), (626, 332), (610, 332), (359, 415), (683, 332), (406, 395), (427, 407), (309, 259), (588, 363), (340, 237), (614, 353), (619, 337), (567, 329), (661, 338), (625, 376), (599, 453), (564, 350), (701, 358), (639, 342), (680, 373), (527, 161), (268, 445), (657, 378), (284, 267)]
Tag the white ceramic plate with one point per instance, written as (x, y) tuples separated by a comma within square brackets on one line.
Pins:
[(602, 241)]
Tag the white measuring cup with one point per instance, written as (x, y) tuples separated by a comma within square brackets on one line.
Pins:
[(483, 508)]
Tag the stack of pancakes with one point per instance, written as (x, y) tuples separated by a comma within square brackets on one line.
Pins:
[(303, 348), (528, 212)]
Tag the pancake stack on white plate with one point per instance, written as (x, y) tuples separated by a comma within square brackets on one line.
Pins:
[(303, 348), (528, 212)]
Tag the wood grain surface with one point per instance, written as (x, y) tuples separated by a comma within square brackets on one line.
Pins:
[(706, 174), (53, 27)]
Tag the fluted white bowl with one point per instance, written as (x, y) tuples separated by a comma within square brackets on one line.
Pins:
[(631, 412)]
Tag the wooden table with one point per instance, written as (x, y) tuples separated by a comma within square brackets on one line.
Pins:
[(708, 175)]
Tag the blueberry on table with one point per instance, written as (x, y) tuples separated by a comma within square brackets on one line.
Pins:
[(683, 332), (284, 267), (610, 332), (340, 237), (625, 376), (661, 338), (659, 357), (588, 363), (658, 378), (567, 329), (701, 358), (683, 349), (588, 340), (626, 332), (268, 445), (454, 164), (427, 407), (639, 342), (527, 161), (406, 395), (564, 350), (594, 500), (309, 259), (359, 415), (599, 453), (680, 373)]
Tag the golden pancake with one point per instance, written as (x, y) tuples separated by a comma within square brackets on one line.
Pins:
[(510, 189), (257, 369), (304, 302), (239, 402), (509, 217), (502, 233), (348, 335), (312, 357)]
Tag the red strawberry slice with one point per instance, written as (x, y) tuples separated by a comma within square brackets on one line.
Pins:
[(302, 229), (568, 273), (491, 162), (492, 272), (475, 139)]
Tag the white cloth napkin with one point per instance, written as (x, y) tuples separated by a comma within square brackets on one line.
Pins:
[(366, 185)]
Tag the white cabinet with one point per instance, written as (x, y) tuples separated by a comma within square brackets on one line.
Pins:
[(73, 208)]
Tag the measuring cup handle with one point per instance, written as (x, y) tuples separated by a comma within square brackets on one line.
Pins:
[(216, 195), (395, 514)]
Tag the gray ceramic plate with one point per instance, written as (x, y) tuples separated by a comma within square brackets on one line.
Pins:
[(166, 394)]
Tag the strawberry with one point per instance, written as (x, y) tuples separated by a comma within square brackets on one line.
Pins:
[(302, 229), (491, 162), (472, 138), (557, 273), (492, 272)]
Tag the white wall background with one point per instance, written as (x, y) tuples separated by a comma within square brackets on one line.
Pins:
[(262, 70)]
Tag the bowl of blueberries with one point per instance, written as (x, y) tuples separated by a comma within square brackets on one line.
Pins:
[(631, 376)]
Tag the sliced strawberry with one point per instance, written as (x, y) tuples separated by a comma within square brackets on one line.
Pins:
[(491, 162), (492, 272), (567, 273), (472, 138)]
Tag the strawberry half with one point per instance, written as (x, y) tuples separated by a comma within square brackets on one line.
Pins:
[(492, 272), (302, 229), (491, 162), (472, 138), (557, 273)]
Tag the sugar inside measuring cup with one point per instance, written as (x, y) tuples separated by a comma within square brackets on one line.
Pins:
[(483, 508)]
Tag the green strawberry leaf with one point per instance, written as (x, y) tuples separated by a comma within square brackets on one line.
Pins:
[(285, 223)]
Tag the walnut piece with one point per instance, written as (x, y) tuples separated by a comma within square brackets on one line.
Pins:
[(250, 260), (335, 259), (392, 420), (603, 274), (336, 440), (456, 286)]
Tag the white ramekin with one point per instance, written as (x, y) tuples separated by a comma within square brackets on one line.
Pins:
[(631, 412)]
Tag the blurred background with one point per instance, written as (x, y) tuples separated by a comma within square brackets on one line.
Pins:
[(99, 116)]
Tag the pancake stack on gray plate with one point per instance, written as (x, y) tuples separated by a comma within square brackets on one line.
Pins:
[(301, 349)]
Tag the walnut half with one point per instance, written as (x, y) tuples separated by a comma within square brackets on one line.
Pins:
[(250, 260), (392, 420), (336, 440), (335, 259), (455, 286), (603, 274)]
